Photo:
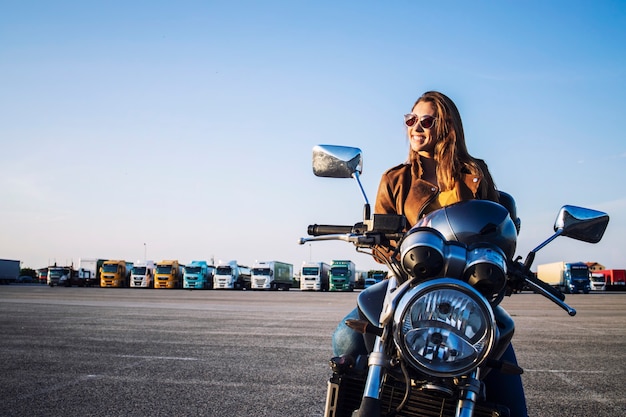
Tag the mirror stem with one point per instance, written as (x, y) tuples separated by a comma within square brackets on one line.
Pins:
[(358, 180)]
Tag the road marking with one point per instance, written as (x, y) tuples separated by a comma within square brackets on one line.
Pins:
[(173, 358), (588, 393), (564, 371)]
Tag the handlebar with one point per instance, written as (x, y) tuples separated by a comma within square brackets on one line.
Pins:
[(327, 229)]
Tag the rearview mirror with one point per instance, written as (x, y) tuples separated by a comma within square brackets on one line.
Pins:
[(336, 161), (581, 223)]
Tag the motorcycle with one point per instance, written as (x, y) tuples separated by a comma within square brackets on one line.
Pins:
[(434, 328)]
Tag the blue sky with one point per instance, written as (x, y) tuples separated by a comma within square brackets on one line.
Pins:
[(188, 126)]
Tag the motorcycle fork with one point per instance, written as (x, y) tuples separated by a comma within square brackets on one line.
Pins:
[(470, 390), (378, 360)]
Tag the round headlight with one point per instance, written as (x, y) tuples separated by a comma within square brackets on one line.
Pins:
[(422, 252), (486, 270), (444, 327)]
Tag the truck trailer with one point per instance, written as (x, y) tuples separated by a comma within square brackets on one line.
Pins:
[(342, 275), (88, 272), (9, 271), (198, 275), (314, 276), (568, 277), (271, 275)]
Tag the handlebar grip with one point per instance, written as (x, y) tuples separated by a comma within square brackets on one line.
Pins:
[(327, 229)]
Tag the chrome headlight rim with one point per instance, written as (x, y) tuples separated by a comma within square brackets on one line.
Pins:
[(433, 285)]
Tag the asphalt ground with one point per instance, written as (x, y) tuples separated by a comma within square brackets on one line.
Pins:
[(133, 352)]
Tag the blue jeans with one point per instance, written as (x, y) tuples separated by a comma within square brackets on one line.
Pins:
[(501, 388)]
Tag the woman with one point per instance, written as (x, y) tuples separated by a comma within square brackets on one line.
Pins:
[(439, 172)]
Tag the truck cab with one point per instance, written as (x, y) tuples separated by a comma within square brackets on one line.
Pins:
[(114, 274), (342, 275), (142, 275), (314, 276), (59, 275), (168, 274), (597, 282), (231, 276), (198, 275), (577, 278)]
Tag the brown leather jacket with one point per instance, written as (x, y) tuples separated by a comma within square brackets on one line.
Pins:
[(402, 191)]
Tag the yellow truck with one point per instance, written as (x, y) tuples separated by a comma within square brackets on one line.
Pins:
[(168, 274), (114, 274)]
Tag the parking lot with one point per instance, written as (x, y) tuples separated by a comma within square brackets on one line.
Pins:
[(133, 352)]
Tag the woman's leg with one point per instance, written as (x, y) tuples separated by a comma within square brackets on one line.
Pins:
[(347, 341), (507, 389)]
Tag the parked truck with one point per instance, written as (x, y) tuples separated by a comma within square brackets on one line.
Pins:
[(114, 274), (65, 276), (231, 275), (569, 277), (271, 275), (87, 272), (342, 275), (9, 271), (614, 279), (142, 274), (361, 277), (314, 276), (42, 275), (199, 275), (374, 278), (597, 281), (168, 274)]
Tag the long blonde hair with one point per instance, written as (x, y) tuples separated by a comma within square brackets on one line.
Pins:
[(450, 153)]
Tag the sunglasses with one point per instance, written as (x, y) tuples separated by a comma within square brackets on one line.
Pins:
[(426, 122)]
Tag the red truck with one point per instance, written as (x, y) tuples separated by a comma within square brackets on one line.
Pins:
[(615, 279)]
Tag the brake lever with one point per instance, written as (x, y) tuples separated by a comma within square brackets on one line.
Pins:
[(519, 270)]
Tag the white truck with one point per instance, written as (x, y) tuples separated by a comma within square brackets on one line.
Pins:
[(198, 275), (62, 275), (271, 275), (314, 276), (597, 282), (88, 271), (231, 275), (142, 274)]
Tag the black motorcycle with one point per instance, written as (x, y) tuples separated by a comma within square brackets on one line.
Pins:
[(434, 327)]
